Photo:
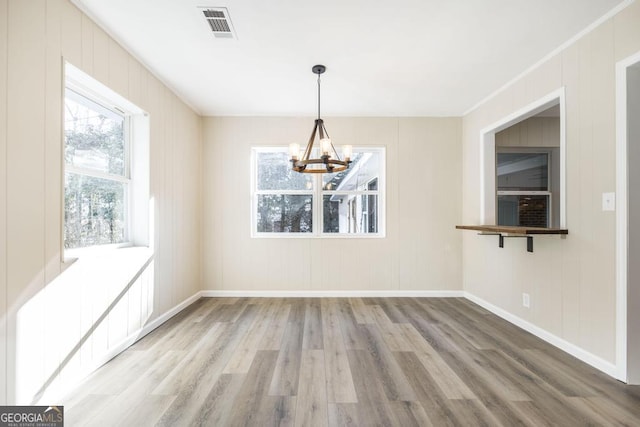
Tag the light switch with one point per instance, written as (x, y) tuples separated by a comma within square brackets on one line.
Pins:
[(608, 201)]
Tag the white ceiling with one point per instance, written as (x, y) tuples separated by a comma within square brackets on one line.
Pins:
[(383, 58)]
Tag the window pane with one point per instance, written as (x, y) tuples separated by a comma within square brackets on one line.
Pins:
[(284, 213), (275, 173), (344, 213), (94, 211), (372, 213), (94, 136), (364, 168), (523, 171), (373, 184), (523, 210)]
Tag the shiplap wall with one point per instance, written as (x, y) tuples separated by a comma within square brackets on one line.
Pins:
[(421, 250), (532, 132), (571, 281), (35, 36), (3, 199)]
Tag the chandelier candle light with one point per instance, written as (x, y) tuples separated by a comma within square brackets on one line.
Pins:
[(329, 161)]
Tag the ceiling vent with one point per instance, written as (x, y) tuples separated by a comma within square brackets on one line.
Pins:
[(219, 22)]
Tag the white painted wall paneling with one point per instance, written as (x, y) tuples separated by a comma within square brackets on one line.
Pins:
[(25, 177), (4, 4), (35, 37), (532, 132), (421, 250)]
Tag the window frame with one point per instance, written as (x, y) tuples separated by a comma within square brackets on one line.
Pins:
[(548, 192), (84, 97), (486, 159), (317, 192), (136, 163), (126, 175), (368, 199)]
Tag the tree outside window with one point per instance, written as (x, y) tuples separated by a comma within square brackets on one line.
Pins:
[(96, 173)]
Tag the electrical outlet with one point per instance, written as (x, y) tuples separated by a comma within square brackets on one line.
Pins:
[(525, 300)]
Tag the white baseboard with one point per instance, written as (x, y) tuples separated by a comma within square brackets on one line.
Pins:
[(149, 327), (577, 352), (334, 294), (56, 393), (146, 329)]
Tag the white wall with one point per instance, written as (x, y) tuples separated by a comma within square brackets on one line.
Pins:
[(571, 281), (35, 36), (422, 250)]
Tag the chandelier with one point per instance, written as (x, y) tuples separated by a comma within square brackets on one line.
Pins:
[(329, 160)]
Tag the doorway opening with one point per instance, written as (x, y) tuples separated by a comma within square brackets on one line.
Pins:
[(628, 219), (522, 166)]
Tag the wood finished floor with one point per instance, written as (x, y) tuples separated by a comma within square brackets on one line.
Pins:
[(347, 362)]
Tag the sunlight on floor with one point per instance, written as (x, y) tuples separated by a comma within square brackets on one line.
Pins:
[(80, 320)]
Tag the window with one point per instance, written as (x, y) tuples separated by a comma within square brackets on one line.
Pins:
[(523, 188), (284, 198), (105, 166), (294, 204), (96, 173)]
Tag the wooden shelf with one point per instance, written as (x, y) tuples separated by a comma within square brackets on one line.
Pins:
[(509, 229), (513, 231)]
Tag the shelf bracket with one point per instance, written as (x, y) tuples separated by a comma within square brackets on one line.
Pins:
[(503, 231), (501, 238)]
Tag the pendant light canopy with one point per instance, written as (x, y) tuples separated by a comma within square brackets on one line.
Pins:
[(329, 160)]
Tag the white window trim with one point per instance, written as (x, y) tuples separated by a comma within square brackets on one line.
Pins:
[(97, 174), (318, 193), (138, 211), (524, 193), (487, 157)]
